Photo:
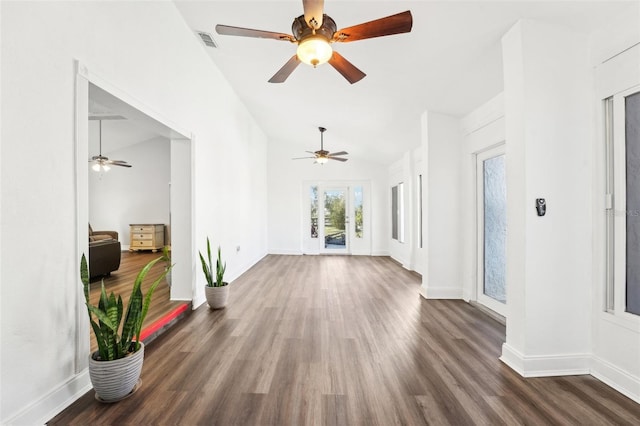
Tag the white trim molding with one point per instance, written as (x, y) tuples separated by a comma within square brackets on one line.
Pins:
[(51, 404), (429, 292), (546, 365), (615, 377)]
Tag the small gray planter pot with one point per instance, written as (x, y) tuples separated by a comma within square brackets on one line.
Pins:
[(217, 296), (116, 380)]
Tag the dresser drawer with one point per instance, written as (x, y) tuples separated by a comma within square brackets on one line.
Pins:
[(135, 228), (148, 236), (142, 243)]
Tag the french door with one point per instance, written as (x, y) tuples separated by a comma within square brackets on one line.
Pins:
[(492, 229), (333, 223)]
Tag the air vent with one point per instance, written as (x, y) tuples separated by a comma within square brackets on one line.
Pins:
[(207, 39)]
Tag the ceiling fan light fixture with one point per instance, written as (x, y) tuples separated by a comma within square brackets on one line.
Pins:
[(314, 50), (322, 160), (96, 167)]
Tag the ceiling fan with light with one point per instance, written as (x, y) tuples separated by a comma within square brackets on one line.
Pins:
[(100, 162), (321, 156), (314, 32)]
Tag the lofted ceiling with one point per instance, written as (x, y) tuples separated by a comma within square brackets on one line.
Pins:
[(450, 63)]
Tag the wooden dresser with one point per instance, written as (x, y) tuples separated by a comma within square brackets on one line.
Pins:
[(146, 236)]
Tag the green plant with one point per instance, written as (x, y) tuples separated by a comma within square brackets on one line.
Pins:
[(116, 338), (207, 268)]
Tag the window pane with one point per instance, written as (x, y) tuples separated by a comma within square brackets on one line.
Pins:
[(357, 195), (609, 304), (394, 212), (632, 154), (420, 208), (401, 212), (495, 228), (314, 211)]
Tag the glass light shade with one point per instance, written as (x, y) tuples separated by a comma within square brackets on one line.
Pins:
[(314, 50), (96, 167), (106, 168), (322, 160)]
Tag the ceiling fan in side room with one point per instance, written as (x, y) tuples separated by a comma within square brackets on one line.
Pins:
[(321, 156), (100, 162), (314, 32)]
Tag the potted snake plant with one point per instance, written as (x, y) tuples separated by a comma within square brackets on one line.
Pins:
[(216, 290), (115, 367)]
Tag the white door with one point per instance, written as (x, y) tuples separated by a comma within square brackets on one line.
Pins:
[(333, 223), (492, 229)]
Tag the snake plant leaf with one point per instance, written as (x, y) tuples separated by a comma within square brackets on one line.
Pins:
[(103, 317), (147, 301), (84, 277)]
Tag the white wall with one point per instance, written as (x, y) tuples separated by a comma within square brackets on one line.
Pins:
[(441, 141), (139, 194), (548, 96), (146, 50), (286, 198)]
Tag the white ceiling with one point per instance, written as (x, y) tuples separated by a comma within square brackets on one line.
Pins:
[(450, 63)]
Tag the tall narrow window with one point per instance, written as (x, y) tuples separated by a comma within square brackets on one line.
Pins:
[(401, 212), (314, 211), (632, 155), (610, 215), (357, 213), (420, 209), (394, 212)]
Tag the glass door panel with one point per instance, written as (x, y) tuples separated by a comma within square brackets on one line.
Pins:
[(492, 229), (334, 224)]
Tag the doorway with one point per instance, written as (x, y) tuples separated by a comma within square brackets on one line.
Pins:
[(491, 215), (94, 92)]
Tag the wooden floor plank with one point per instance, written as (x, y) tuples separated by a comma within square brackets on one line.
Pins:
[(343, 340)]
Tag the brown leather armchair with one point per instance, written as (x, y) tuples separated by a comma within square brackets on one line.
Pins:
[(104, 252)]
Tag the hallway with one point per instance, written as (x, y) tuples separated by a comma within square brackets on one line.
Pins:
[(343, 340)]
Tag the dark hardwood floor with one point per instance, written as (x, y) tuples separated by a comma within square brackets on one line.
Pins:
[(338, 340), (121, 282)]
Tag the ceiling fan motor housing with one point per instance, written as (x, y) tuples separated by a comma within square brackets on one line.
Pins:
[(301, 30)]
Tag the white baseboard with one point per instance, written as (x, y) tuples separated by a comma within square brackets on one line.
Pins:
[(617, 378), (285, 252), (44, 409), (545, 365), (380, 253), (440, 292)]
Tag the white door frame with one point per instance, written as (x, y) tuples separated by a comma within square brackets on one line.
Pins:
[(481, 298)]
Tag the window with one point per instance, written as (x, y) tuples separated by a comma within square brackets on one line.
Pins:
[(622, 198), (397, 212), (632, 159), (357, 213), (314, 211), (420, 209)]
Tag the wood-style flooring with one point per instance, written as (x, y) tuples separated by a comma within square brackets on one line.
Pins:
[(121, 282), (339, 340)]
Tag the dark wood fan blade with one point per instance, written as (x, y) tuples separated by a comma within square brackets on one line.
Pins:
[(394, 24), (337, 158), (346, 68), (121, 164), (118, 161), (313, 10), (248, 32), (339, 153), (284, 72)]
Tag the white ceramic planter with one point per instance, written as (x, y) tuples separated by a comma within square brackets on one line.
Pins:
[(115, 380), (217, 296)]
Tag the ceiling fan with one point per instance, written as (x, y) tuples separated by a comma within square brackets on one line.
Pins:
[(321, 156), (100, 162), (314, 32)]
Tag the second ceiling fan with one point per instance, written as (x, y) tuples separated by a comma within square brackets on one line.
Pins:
[(314, 32), (322, 156)]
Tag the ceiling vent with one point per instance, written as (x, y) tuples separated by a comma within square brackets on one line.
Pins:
[(207, 39)]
